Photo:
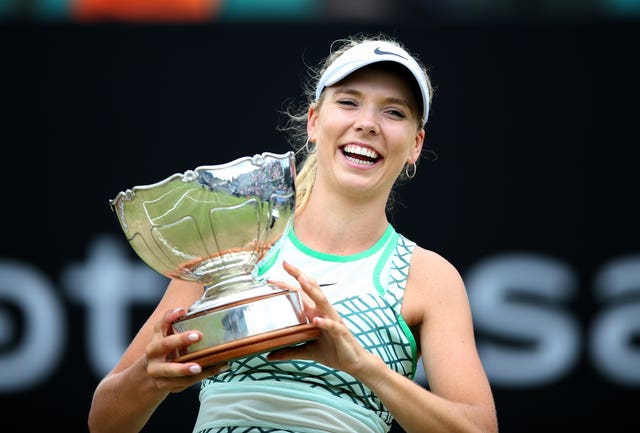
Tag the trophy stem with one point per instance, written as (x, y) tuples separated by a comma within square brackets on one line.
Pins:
[(230, 290), (229, 284)]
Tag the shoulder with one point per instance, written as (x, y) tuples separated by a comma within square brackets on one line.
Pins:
[(429, 267), (433, 281)]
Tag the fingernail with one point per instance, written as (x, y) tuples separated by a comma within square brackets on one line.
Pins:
[(195, 369), (193, 336)]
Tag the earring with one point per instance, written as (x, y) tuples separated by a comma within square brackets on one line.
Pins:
[(410, 173), (306, 146)]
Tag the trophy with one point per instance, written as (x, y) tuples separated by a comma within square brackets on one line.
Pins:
[(214, 225)]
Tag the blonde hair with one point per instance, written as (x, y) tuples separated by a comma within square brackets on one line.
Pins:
[(296, 124)]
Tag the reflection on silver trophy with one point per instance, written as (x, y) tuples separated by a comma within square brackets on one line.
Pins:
[(213, 225)]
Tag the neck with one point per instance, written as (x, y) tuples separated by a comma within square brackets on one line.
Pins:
[(340, 225)]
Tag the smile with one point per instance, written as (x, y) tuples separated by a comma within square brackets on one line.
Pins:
[(360, 155)]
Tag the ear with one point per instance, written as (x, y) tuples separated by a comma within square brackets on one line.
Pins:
[(312, 118), (416, 147)]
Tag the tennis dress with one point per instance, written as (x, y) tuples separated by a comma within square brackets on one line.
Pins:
[(297, 396)]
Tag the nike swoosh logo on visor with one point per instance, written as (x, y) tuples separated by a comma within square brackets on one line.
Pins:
[(382, 52)]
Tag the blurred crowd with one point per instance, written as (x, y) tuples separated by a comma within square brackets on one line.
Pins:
[(312, 10)]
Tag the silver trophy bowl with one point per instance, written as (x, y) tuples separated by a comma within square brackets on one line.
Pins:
[(214, 225)]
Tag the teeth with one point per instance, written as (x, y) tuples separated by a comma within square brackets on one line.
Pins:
[(358, 150), (359, 161)]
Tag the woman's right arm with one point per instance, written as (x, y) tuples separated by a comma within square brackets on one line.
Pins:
[(128, 395)]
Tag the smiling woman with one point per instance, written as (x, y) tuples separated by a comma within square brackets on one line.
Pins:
[(379, 300)]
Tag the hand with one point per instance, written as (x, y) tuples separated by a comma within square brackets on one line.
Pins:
[(336, 347), (165, 346)]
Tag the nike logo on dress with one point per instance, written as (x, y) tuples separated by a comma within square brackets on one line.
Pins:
[(382, 52)]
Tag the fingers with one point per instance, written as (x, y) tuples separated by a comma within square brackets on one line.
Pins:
[(336, 328), (164, 326), (313, 290), (200, 373), (164, 349), (165, 346), (176, 377), (292, 270), (283, 285), (165, 343)]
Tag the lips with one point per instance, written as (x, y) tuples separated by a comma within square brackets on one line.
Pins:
[(360, 154)]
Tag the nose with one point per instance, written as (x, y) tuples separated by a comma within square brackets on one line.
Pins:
[(366, 123)]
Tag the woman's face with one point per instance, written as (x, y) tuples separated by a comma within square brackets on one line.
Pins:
[(365, 129)]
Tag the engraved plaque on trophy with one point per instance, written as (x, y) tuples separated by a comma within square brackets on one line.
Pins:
[(214, 225)]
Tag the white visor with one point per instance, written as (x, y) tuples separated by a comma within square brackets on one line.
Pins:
[(368, 53)]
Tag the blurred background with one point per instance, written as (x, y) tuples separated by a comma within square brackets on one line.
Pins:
[(529, 186)]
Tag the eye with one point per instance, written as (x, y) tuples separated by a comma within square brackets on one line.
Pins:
[(396, 113), (346, 102)]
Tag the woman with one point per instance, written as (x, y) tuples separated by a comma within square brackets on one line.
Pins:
[(380, 300)]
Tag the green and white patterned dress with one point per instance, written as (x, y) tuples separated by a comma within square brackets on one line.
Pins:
[(306, 397)]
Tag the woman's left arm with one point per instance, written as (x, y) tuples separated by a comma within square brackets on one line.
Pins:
[(459, 398)]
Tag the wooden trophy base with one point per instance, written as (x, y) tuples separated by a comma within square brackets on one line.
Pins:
[(265, 342)]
